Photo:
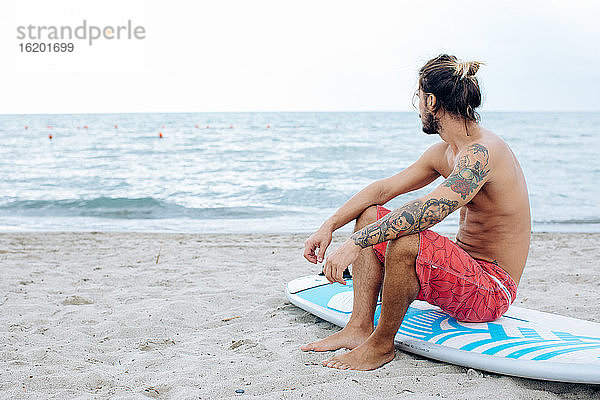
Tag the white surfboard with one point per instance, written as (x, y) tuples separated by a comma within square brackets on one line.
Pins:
[(525, 343)]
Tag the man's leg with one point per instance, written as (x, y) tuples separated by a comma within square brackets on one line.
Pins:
[(400, 288), (367, 275)]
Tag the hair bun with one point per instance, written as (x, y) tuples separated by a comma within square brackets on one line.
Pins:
[(454, 85), (467, 68)]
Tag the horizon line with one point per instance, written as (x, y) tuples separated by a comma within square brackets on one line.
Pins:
[(288, 111)]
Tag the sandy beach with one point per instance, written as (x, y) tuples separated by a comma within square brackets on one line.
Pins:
[(178, 316)]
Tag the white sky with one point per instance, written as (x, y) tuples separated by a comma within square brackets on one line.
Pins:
[(231, 55)]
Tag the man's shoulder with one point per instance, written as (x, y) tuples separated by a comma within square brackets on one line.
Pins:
[(437, 150), (490, 155), (489, 146), (439, 147), (435, 156), (492, 142)]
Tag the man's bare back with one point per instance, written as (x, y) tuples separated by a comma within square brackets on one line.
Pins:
[(496, 223)]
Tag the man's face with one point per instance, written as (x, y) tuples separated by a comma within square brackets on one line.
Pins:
[(431, 125)]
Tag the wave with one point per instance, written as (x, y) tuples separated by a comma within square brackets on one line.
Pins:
[(152, 208), (129, 208)]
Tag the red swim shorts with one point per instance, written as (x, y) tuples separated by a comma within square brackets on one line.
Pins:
[(468, 289)]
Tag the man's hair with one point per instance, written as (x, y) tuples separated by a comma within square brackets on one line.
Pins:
[(454, 85)]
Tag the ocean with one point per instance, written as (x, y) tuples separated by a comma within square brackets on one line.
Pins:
[(261, 172)]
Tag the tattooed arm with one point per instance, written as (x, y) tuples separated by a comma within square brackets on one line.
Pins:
[(469, 175), (412, 217), (419, 174)]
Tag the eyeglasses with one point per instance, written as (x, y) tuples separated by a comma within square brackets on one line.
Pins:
[(415, 98)]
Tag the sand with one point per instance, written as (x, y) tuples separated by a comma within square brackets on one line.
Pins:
[(103, 315)]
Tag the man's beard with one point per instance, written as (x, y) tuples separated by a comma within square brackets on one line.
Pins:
[(431, 125)]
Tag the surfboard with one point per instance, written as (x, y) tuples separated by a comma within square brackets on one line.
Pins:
[(523, 342)]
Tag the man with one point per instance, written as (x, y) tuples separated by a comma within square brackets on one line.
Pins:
[(473, 279)]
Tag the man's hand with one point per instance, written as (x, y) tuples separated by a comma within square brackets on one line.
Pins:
[(318, 240), (339, 260)]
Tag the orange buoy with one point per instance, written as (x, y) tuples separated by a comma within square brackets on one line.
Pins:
[(26, 127), (207, 126), (197, 126), (268, 126), (49, 136), (85, 127), (230, 126), (160, 135), (116, 126)]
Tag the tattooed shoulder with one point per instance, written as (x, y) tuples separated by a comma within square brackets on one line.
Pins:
[(471, 169)]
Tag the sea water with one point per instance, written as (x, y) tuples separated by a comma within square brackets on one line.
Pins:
[(261, 172)]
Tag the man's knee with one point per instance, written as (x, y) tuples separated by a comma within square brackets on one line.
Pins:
[(366, 217), (405, 247)]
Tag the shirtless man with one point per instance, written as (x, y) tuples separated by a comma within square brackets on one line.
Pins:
[(473, 279)]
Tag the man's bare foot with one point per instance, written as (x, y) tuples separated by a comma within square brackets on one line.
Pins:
[(365, 357), (348, 338)]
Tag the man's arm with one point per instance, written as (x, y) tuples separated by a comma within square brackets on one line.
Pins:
[(469, 175), (419, 174)]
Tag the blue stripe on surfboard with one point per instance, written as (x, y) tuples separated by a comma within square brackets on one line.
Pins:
[(504, 346), (416, 325), (321, 297), (414, 331), (420, 337), (548, 356), (575, 338), (567, 336), (407, 323), (518, 319), (544, 343), (497, 333), (522, 352), (529, 333), (460, 330)]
